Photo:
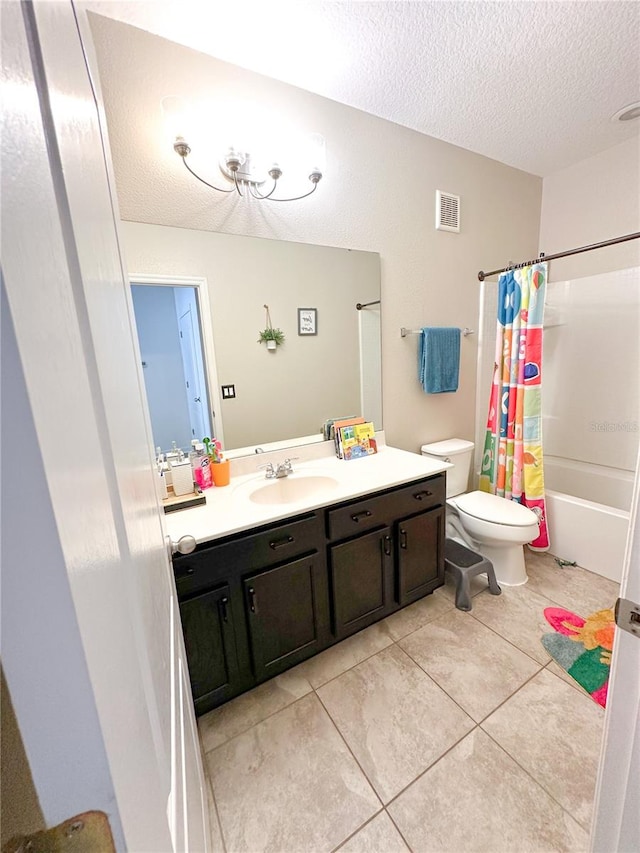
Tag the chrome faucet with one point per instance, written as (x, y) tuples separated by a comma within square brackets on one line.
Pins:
[(283, 469)]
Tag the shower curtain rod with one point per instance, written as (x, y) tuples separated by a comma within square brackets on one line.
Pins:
[(361, 305), (482, 275)]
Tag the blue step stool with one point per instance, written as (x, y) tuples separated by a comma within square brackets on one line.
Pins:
[(463, 564)]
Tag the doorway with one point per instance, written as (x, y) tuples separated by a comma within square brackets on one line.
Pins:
[(172, 343)]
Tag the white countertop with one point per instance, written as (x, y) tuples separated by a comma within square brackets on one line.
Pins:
[(229, 509)]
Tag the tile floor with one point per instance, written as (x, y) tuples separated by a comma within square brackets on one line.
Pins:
[(434, 730)]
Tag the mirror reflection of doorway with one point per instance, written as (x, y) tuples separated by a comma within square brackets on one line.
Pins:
[(170, 338)]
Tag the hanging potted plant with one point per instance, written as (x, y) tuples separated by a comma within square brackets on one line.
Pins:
[(272, 337)]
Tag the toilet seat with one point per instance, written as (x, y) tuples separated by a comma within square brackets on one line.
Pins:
[(494, 509)]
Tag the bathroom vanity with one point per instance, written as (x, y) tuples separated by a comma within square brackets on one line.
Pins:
[(285, 568)]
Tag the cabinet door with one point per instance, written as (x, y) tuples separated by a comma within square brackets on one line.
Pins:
[(207, 625), (420, 556), (362, 581), (287, 615)]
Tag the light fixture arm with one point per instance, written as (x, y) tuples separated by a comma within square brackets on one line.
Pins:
[(182, 149), (296, 198)]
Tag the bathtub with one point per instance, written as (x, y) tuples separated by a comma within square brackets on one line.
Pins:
[(588, 514)]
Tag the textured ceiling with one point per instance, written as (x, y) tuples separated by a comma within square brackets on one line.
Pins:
[(532, 84)]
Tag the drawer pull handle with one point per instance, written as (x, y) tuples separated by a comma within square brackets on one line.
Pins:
[(224, 601), (403, 538), (386, 545), (358, 515), (278, 543), (421, 495), (253, 600)]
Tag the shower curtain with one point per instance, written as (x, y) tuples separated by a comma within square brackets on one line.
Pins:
[(512, 459)]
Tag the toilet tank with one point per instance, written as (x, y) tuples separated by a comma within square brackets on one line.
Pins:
[(457, 451)]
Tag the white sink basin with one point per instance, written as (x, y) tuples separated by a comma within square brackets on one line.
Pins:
[(292, 489)]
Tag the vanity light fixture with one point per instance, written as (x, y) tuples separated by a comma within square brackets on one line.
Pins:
[(239, 167)]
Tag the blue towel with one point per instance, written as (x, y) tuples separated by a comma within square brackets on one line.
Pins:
[(439, 359)]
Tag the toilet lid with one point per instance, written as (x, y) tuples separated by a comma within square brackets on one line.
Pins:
[(499, 510)]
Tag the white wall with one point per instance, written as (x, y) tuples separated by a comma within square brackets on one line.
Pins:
[(591, 401), (378, 195), (157, 327), (593, 200), (592, 342)]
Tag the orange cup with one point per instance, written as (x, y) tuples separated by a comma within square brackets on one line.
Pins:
[(221, 472)]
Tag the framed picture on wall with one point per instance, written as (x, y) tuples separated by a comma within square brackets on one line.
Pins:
[(307, 321)]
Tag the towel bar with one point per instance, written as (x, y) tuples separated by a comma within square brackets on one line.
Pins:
[(404, 332)]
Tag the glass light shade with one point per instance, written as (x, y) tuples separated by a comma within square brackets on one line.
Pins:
[(176, 123)]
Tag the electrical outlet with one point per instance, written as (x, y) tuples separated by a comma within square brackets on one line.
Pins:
[(228, 392)]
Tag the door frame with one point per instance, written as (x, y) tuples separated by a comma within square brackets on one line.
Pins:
[(90, 595), (201, 286), (615, 812)]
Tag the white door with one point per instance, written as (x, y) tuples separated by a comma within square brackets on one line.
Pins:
[(197, 361), (616, 821), (196, 391), (71, 312)]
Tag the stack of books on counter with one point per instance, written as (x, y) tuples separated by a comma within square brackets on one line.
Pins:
[(355, 438)]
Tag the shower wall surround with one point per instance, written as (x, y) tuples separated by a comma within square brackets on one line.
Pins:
[(591, 403)]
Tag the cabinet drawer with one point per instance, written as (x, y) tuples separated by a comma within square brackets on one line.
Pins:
[(277, 544), (355, 517), (373, 511), (419, 496)]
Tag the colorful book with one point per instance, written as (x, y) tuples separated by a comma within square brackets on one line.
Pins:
[(358, 440), (338, 427)]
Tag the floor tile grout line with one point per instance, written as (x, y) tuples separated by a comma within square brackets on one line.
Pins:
[(257, 722), (510, 696), (344, 740), (438, 685), (313, 688), (384, 805), (580, 690), (537, 781), (507, 640), (340, 735), (356, 831), (433, 764), (455, 701), (398, 830), (353, 666), (209, 781)]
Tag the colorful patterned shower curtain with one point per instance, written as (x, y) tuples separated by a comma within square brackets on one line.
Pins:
[(512, 459)]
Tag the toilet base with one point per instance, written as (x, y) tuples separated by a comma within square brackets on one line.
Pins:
[(508, 562)]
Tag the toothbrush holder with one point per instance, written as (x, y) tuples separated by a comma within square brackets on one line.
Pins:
[(221, 472)]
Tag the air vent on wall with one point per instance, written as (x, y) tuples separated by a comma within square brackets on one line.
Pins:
[(447, 212)]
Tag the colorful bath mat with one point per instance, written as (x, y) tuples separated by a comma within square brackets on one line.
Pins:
[(582, 647)]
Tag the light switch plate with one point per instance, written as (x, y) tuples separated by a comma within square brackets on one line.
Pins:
[(228, 392)]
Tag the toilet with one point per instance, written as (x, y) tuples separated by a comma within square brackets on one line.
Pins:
[(493, 526)]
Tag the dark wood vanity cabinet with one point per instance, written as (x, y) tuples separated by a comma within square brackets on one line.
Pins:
[(361, 574), (210, 642), (287, 614), (254, 604), (386, 551), (419, 544)]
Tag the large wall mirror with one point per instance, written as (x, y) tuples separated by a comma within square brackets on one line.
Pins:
[(329, 369)]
